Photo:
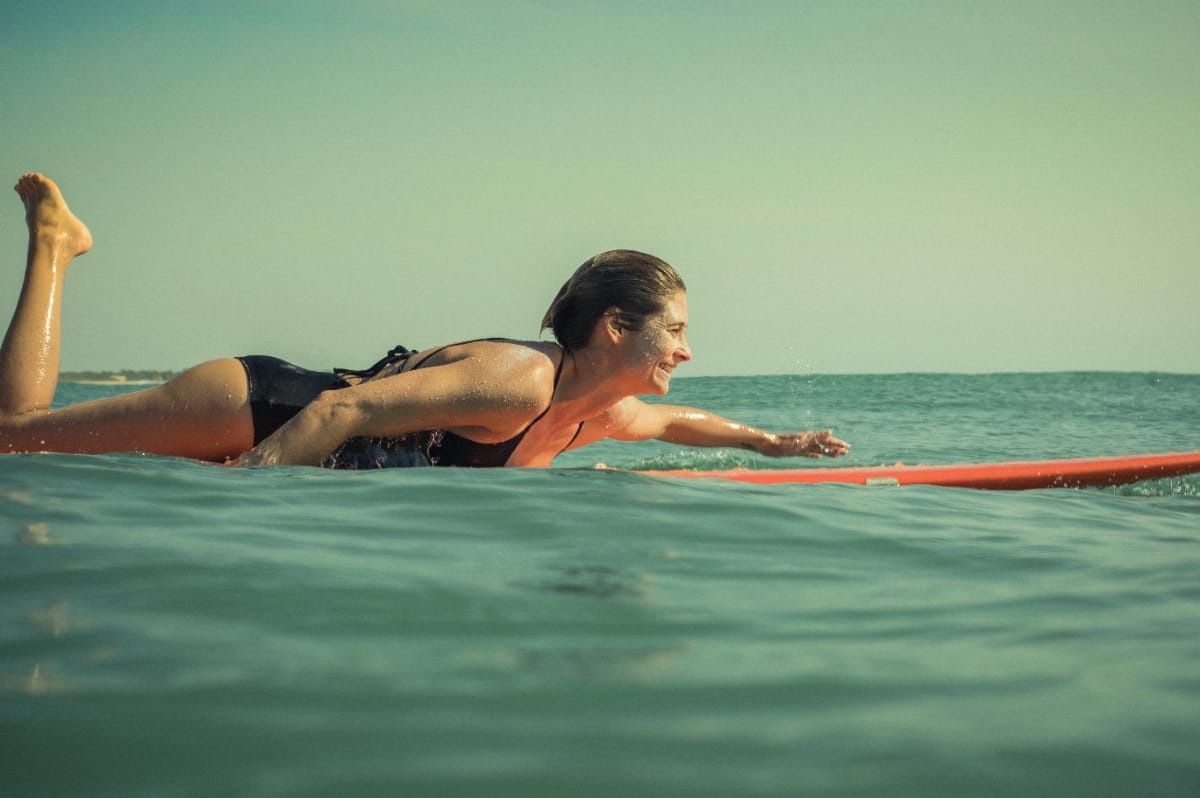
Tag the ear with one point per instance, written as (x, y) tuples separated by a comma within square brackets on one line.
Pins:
[(612, 324)]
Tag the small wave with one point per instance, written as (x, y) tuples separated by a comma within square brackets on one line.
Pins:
[(1188, 487), (698, 460)]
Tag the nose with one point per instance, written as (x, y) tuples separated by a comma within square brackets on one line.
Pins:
[(685, 351)]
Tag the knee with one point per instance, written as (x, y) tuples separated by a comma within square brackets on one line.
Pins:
[(17, 432)]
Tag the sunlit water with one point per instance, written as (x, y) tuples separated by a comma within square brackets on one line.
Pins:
[(174, 629)]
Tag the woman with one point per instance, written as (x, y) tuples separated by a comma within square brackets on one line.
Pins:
[(619, 322)]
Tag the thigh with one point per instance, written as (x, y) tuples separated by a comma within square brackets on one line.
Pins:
[(203, 413)]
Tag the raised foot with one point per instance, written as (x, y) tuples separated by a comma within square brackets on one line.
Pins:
[(48, 216)]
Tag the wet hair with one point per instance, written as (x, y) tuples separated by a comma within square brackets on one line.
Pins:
[(632, 284)]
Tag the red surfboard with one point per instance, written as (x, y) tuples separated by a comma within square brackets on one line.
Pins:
[(1071, 473)]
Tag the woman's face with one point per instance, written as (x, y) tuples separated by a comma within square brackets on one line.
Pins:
[(654, 351)]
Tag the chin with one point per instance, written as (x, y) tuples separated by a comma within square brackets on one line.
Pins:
[(656, 388)]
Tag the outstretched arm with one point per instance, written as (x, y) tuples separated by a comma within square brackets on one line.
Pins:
[(690, 426)]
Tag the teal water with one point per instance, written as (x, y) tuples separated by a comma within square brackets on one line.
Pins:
[(174, 629)]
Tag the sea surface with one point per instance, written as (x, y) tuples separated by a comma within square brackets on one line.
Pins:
[(175, 629)]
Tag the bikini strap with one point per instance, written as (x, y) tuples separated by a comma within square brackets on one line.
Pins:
[(397, 354), (578, 430), (557, 373)]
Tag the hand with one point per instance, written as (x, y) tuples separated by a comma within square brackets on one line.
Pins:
[(249, 459), (804, 444)]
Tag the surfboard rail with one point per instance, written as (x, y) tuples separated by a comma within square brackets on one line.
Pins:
[(1078, 472)]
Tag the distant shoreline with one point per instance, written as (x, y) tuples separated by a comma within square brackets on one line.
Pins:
[(114, 382), (127, 377)]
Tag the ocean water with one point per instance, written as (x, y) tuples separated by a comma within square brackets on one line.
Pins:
[(174, 629)]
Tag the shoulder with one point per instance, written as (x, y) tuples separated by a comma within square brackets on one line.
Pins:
[(522, 372), (483, 390), (497, 352)]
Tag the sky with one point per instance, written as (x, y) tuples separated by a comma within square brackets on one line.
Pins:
[(846, 187)]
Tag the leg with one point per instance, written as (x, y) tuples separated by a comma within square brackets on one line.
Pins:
[(29, 354), (203, 413)]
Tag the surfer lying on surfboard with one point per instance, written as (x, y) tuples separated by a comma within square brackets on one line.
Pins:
[(619, 323)]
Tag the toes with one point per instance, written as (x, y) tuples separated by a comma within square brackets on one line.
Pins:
[(28, 182), (25, 185)]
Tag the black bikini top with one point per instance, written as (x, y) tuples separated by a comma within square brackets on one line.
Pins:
[(438, 447)]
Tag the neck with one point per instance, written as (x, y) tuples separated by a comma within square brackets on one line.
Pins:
[(587, 387)]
